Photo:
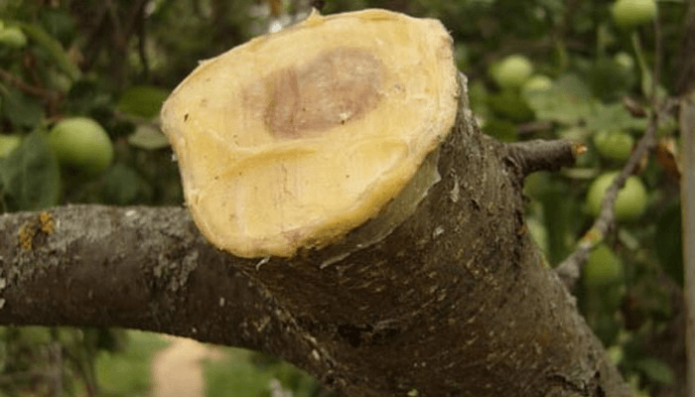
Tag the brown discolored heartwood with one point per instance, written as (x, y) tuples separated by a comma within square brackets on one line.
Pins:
[(336, 87)]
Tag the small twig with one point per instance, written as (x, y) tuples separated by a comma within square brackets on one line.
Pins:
[(137, 11), (51, 98), (571, 7), (27, 88), (121, 31), (570, 269), (117, 37), (658, 54), (142, 39), (95, 38), (540, 155)]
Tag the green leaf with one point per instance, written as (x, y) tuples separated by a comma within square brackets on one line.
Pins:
[(655, 370), (22, 110), (509, 104), (143, 101), (8, 143), (89, 96), (53, 48), (59, 23), (613, 117), (148, 137), (235, 372), (610, 81), (567, 101), (30, 175), (123, 186), (129, 373), (669, 242)]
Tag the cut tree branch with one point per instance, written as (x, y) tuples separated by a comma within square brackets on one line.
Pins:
[(138, 267), (455, 301), (540, 155), (457, 289)]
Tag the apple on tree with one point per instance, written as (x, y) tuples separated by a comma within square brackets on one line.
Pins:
[(616, 145), (8, 143), (602, 268), (631, 201), (538, 82), (12, 37), (631, 13), (625, 61), (81, 143), (512, 72)]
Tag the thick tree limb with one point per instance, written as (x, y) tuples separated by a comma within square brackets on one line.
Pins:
[(138, 267), (456, 301)]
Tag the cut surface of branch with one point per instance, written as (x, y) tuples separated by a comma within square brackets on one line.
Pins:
[(294, 139)]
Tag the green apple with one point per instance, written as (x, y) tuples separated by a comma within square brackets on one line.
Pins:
[(616, 145), (8, 143), (512, 71), (538, 82), (625, 61), (81, 143), (58, 81), (615, 354), (12, 37), (631, 13), (631, 201), (602, 268)]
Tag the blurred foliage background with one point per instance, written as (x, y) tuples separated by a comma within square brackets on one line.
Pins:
[(537, 69)]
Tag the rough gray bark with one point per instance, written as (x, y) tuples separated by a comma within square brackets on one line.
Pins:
[(457, 301)]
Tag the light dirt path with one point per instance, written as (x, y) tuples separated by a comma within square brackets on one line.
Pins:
[(177, 370)]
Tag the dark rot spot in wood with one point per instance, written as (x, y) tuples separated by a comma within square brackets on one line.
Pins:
[(331, 90)]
